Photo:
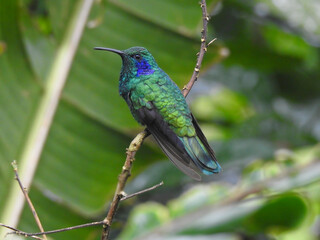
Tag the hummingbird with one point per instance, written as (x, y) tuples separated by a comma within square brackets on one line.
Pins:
[(156, 102)]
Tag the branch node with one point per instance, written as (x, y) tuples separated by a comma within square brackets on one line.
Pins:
[(105, 223), (123, 194), (14, 165)]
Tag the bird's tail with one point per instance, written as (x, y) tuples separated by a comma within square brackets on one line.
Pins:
[(201, 156)]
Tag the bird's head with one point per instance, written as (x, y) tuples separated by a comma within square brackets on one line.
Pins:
[(136, 61)]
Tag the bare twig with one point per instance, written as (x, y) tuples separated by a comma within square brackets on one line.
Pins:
[(143, 191), (26, 195), (9, 227), (203, 49), (211, 42), (123, 177), (17, 231), (35, 215), (22, 233), (34, 235)]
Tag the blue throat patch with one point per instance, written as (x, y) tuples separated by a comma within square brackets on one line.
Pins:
[(143, 68)]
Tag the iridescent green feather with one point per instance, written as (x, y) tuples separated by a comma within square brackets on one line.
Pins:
[(159, 89)]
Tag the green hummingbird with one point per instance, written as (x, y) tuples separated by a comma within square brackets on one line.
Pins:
[(156, 102)]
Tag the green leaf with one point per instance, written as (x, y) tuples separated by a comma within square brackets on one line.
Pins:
[(196, 198), (180, 18), (145, 218), (286, 43), (279, 214), (225, 105), (220, 208)]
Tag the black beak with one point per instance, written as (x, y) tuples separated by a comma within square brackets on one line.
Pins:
[(110, 50)]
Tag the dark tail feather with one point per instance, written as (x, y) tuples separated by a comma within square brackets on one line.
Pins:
[(204, 156), (178, 157), (200, 156)]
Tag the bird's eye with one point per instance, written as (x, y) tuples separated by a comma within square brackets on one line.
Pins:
[(137, 56)]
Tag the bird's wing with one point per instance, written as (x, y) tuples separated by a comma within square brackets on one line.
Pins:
[(169, 142)]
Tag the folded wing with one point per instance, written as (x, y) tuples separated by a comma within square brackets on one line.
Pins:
[(191, 155)]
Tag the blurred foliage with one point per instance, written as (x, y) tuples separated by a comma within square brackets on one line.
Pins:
[(271, 199), (257, 102)]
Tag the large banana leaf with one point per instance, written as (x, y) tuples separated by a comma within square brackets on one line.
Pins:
[(75, 172)]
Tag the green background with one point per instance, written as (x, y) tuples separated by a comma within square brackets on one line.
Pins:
[(257, 101)]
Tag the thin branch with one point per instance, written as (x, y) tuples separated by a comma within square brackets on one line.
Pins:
[(143, 191), (26, 195), (22, 233), (18, 232), (9, 227), (211, 42), (121, 196), (123, 177), (203, 49)]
